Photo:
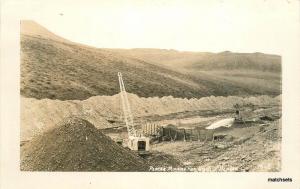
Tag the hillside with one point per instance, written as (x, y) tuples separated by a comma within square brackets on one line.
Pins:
[(206, 61), (54, 68), (31, 28)]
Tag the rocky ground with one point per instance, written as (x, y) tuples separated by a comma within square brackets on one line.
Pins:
[(251, 149)]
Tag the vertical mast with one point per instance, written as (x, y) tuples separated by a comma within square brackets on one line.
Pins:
[(126, 108)]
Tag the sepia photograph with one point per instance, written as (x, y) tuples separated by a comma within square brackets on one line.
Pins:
[(153, 87), (145, 109)]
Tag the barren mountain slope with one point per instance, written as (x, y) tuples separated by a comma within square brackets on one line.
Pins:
[(31, 28), (54, 68)]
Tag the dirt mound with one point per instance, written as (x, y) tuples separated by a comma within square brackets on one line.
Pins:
[(38, 116), (76, 145)]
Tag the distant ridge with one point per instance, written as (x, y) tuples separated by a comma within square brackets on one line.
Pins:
[(206, 60)]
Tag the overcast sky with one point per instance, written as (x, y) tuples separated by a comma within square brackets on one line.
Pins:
[(208, 25)]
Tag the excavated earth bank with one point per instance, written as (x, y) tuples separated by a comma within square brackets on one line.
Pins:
[(38, 116)]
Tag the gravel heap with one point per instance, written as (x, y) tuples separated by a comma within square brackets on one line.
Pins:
[(76, 145)]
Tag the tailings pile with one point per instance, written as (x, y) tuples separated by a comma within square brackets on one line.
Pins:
[(76, 145), (38, 116)]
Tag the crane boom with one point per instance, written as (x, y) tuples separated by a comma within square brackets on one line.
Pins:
[(126, 108)]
